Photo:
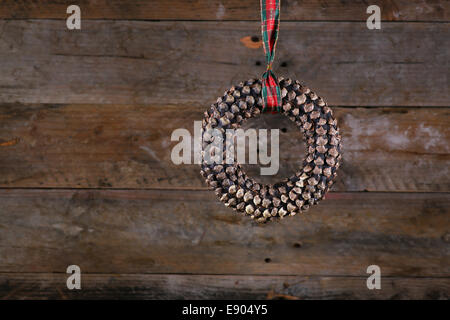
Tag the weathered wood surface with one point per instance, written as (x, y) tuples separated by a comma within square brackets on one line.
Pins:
[(127, 146), (155, 231), (142, 62), (162, 286), (398, 10), (95, 109)]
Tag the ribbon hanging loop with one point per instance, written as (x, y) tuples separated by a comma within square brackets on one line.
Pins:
[(270, 26)]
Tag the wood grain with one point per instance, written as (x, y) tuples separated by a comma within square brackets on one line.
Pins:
[(142, 62), (128, 146), (162, 286), (398, 10), (86, 176), (155, 231)]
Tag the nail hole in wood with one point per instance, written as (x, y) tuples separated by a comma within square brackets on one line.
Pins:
[(255, 39), (267, 260), (284, 130), (283, 64), (297, 245), (258, 63)]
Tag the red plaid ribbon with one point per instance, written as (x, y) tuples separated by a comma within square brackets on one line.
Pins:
[(270, 25)]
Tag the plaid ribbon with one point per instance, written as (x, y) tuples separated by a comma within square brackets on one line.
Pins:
[(270, 25)]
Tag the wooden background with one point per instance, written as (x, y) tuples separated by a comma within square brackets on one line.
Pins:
[(85, 171)]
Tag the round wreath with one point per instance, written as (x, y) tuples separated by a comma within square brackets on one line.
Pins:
[(296, 193)]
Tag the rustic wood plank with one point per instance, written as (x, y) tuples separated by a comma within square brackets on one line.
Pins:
[(127, 146), (155, 231), (400, 10), (143, 62), (162, 286)]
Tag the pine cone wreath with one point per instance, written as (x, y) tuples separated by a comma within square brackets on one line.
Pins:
[(292, 195)]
